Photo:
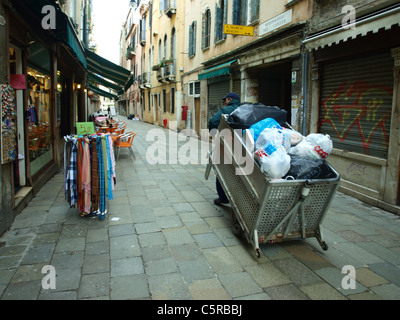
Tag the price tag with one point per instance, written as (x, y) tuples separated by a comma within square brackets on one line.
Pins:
[(83, 128)]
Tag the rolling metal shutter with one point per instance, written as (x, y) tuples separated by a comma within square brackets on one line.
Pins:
[(356, 103), (216, 91)]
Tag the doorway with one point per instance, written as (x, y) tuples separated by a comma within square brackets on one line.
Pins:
[(275, 88), (197, 115)]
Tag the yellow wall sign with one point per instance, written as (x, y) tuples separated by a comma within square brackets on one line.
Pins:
[(83, 128), (237, 29)]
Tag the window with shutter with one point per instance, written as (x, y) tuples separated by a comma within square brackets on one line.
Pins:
[(218, 23), (164, 92), (194, 36), (197, 88), (192, 39), (220, 20), (191, 89), (172, 100), (236, 12), (255, 9), (162, 3), (245, 12), (206, 30)]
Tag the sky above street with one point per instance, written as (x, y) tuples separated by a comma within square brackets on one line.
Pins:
[(108, 17)]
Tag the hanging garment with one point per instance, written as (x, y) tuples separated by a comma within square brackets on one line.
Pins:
[(105, 163), (109, 170), (72, 173), (95, 177), (79, 173), (86, 177), (102, 202)]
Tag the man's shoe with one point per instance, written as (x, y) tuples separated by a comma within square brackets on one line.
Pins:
[(218, 202)]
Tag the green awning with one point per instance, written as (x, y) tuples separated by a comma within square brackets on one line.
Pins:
[(31, 12), (102, 92), (129, 83), (104, 82), (107, 69), (216, 71), (65, 33)]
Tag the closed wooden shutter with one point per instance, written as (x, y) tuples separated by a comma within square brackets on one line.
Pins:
[(356, 103)]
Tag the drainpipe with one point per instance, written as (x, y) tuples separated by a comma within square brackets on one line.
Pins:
[(304, 93)]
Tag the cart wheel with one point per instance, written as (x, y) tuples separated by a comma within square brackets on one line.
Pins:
[(236, 227), (324, 246)]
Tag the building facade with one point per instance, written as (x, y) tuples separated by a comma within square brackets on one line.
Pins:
[(264, 67), (130, 57), (313, 58)]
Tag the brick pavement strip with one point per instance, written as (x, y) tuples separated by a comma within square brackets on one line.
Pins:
[(164, 239)]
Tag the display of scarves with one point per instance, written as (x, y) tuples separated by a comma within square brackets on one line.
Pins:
[(89, 173)]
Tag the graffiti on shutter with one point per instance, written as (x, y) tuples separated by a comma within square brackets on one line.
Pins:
[(356, 103)]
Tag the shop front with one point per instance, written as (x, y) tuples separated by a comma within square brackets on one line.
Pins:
[(30, 84), (38, 114), (354, 90)]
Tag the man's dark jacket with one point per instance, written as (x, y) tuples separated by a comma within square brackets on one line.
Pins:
[(214, 121)]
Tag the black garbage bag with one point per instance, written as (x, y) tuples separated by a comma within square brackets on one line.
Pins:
[(304, 168), (250, 113)]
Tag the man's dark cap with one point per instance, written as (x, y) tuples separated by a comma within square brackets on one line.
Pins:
[(232, 95)]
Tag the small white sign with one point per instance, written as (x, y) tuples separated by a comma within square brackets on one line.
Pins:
[(276, 22)]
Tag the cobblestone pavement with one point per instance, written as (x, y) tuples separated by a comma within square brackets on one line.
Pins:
[(163, 238)]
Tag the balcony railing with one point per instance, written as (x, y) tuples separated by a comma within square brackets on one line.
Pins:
[(165, 70), (130, 52), (146, 79), (171, 8), (170, 72)]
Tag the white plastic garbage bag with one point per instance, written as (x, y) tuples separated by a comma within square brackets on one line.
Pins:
[(274, 160), (279, 136), (314, 146), (294, 136)]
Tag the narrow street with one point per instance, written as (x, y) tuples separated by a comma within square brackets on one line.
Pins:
[(163, 238)]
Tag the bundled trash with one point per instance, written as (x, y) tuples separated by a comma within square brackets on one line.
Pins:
[(248, 114), (314, 146), (285, 153), (304, 168)]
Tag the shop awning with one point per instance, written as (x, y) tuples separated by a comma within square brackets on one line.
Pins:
[(129, 83), (64, 32), (107, 69), (216, 71), (102, 92), (94, 78), (371, 23)]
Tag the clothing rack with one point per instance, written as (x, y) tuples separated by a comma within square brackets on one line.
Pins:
[(89, 173)]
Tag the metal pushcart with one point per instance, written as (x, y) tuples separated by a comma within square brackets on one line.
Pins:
[(268, 211)]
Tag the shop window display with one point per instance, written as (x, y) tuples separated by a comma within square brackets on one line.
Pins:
[(38, 116)]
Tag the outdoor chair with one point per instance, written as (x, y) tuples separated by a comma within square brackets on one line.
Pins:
[(125, 141)]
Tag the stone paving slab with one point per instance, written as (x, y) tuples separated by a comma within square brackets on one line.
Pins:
[(164, 239)]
